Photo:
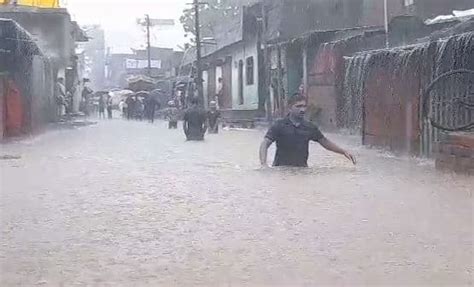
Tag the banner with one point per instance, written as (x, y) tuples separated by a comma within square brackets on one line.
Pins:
[(141, 64), (35, 3)]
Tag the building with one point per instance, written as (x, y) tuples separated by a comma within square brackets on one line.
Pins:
[(308, 54), (56, 36), (116, 72), (94, 56), (164, 65), (30, 68), (26, 82), (235, 55)]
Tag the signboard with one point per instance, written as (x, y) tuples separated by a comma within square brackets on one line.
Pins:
[(141, 64), (162, 22), (156, 22)]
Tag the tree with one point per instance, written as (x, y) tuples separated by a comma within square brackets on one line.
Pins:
[(213, 13)]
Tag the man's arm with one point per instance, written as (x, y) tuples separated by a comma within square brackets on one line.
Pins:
[(264, 151), (330, 146)]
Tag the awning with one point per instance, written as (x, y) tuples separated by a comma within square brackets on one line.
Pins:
[(15, 39)]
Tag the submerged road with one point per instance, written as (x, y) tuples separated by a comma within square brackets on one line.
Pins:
[(132, 204)]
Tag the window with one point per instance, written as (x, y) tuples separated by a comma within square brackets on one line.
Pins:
[(250, 69), (241, 82), (408, 2)]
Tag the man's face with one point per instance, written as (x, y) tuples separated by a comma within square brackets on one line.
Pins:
[(298, 110)]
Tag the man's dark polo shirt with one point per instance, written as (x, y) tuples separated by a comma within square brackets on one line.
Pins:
[(292, 141)]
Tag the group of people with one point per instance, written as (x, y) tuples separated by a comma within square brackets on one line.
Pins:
[(196, 121), (105, 103), (291, 134), (139, 108)]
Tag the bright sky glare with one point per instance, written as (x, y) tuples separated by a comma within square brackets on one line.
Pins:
[(119, 17)]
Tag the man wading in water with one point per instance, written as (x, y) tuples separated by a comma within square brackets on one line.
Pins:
[(194, 122), (292, 136)]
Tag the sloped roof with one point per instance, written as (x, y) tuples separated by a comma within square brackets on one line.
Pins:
[(15, 37)]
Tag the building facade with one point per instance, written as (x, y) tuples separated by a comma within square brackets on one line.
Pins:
[(94, 56), (164, 65)]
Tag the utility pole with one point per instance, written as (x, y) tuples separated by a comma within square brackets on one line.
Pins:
[(198, 79), (385, 10), (266, 64), (149, 23), (147, 17)]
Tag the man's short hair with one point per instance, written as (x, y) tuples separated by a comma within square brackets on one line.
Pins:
[(296, 98)]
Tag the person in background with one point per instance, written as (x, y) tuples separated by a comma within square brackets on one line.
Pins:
[(130, 103), (151, 105), (292, 136), (60, 96), (179, 99), (86, 94), (109, 107), (195, 122), (139, 108), (68, 103), (213, 116), (102, 103), (220, 92), (123, 108), (172, 115)]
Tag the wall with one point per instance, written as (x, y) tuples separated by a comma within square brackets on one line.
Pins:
[(432, 8), (388, 84), (324, 76), (2, 104), (31, 72), (242, 52), (43, 104), (289, 18), (455, 152), (51, 28), (117, 71), (373, 13), (326, 71)]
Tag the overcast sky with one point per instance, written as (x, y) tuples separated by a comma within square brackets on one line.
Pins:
[(118, 18)]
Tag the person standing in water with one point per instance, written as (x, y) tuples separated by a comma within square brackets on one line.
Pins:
[(292, 136), (172, 115), (194, 124), (109, 107), (213, 117), (102, 103)]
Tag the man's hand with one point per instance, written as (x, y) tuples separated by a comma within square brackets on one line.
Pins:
[(264, 166), (350, 157), (263, 151), (327, 144)]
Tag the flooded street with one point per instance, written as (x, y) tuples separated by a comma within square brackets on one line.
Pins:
[(132, 204)]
